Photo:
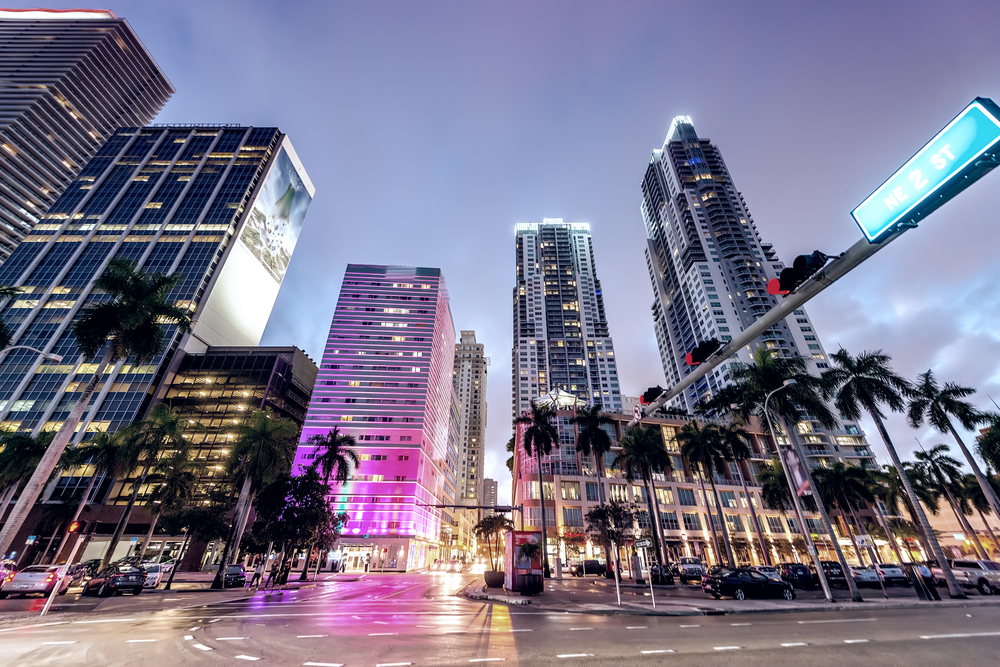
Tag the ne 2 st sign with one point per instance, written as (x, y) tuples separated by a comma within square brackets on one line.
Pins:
[(959, 155)]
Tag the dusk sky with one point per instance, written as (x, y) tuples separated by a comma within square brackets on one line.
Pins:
[(430, 128)]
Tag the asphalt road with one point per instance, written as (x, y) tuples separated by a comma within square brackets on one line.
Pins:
[(415, 619)]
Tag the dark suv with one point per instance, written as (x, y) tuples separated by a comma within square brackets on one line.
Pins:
[(834, 574), (586, 567), (234, 576), (797, 574)]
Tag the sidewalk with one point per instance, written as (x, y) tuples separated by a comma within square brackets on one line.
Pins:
[(568, 598)]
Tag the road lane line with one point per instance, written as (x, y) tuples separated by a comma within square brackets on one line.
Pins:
[(382, 634), (855, 641), (661, 650), (56, 643), (727, 648), (195, 628), (636, 627), (690, 626), (739, 624), (37, 625), (426, 626), (215, 620), (455, 632), (380, 623), (188, 637), (962, 635), (487, 659), (575, 655), (522, 630), (838, 620), (139, 641), (393, 664), (795, 644), (245, 657), (575, 629), (202, 647), (107, 620), (323, 664), (308, 636), (229, 639)]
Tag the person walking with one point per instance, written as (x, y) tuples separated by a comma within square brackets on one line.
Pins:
[(258, 573), (272, 576), (368, 561), (928, 577), (286, 569)]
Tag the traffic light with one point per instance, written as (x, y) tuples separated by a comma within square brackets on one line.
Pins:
[(703, 351), (803, 267), (650, 395), (74, 527)]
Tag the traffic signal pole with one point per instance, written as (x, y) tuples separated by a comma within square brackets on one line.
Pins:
[(818, 282)]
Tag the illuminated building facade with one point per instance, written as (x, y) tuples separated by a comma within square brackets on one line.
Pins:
[(68, 80), (469, 380), (186, 200), (386, 379), (561, 335)]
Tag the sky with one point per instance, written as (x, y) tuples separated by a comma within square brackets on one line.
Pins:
[(431, 128)]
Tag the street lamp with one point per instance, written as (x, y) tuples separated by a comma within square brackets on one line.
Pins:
[(795, 497), (47, 356)]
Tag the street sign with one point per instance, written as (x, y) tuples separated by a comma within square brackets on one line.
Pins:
[(865, 541), (637, 412), (643, 544), (134, 540), (960, 154), (31, 539)]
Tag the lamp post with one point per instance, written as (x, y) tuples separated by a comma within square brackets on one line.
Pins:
[(795, 498), (47, 356)]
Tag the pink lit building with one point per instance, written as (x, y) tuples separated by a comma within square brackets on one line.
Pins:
[(386, 379)]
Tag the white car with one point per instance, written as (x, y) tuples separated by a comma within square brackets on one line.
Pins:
[(892, 574), (36, 579), (154, 573), (865, 576)]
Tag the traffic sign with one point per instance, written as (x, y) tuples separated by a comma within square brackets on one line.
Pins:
[(642, 544), (134, 540), (956, 157), (637, 412), (31, 539)]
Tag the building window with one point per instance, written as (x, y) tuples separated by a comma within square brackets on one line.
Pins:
[(571, 491), (774, 523), (573, 516), (665, 496), (686, 497), (692, 521), (668, 520), (593, 495)]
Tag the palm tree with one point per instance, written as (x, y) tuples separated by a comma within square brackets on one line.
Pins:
[(18, 460), (109, 456), (6, 335), (174, 480), (754, 382), (735, 439), (703, 447), (146, 440), (774, 491), (593, 440), (938, 405), (539, 436), (264, 450), (490, 529), (334, 457), (888, 490), (846, 487), (946, 475), (644, 455), (988, 444), (974, 496), (128, 325)]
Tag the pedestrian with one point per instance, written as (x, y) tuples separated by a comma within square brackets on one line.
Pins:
[(928, 577), (258, 572), (286, 568), (368, 561), (343, 564), (271, 576)]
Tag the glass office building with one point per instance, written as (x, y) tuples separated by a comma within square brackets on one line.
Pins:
[(68, 80), (220, 205)]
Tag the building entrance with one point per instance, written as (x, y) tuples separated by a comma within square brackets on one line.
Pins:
[(356, 555)]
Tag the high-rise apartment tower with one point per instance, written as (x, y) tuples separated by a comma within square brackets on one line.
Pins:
[(561, 338), (709, 268), (386, 379), (469, 380), (68, 80)]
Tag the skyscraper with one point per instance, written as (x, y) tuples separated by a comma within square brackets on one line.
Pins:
[(489, 492), (709, 268), (221, 205), (68, 79), (469, 380), (386, 379), (561, 335)]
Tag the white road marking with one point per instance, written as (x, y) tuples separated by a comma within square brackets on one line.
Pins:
[(108, 620), (195, 628), (230, 639), (56, 643), (855, 641), (738, 624), (690, 626), (455, 632), (393, 664), (382, 634), (839, 620), (215, 620), (308, 636), (188, 637), (324, 664), (522, 630), (245, 657), (575, 629), (662, 650), (138, 641), (795, 644), (636, 627), (575, 655), (962, 635), (380, 623), (727, 648), (426, 626), (202, 647), (37, 625), (487, 659)]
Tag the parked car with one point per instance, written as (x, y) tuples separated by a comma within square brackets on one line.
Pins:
[(585, 567), (798, 575), (235, 576), (892, 574), (834, 574), (8, 569), (90, 568), (455, 566), (115, 579), (36, 579), (689, 569), (983, 575), (865, 576), (77, 574), (768, 571), (154, 574), (743, 583), (666, 580)]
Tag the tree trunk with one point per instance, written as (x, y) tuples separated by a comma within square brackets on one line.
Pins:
[(8, 494), (855, 593), (984, 484), (654, 520), (46, 559), (79, 511), (925, 527), (859, 527), (149, 535), (304, 575), (990, 531), (36, 484), (126, 516), (964, 523), (228, 551), (545, 532), (888, 533), (601, 474), (177, 561), (722, 522), (753, 514), (711, 524), (661, 539)]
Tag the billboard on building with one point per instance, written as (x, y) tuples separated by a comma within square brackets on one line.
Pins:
[(243, 294)]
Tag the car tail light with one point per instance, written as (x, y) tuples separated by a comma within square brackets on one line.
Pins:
[(9, 577), (52, 577)]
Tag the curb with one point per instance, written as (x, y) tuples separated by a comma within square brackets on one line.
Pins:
[(475, 590)]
